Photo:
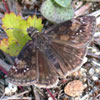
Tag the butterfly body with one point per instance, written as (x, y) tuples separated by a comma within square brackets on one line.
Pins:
[(58, 51)]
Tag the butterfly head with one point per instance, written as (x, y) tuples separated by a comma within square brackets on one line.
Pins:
[(32, 32)]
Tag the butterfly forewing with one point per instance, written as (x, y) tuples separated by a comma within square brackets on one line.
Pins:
[(57, 52), (70, 58), (77, 32), (70, 39)]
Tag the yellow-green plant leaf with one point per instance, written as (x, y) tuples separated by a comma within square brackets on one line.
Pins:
[(35, 22), (16, 29)]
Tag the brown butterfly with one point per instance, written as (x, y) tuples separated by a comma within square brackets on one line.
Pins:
[(56, 52)]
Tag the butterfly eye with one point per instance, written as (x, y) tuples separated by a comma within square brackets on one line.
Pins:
[(29, 31)]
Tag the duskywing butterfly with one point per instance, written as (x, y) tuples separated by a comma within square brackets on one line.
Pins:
[(56, 52)]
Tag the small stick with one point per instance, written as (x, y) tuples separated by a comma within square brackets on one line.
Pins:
[(50, 94), (4, 67), (6, 6)]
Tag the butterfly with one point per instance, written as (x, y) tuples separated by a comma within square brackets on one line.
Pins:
[(56, 52)]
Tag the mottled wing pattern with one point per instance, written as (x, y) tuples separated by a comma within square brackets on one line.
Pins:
[(69, 58), (76, 32), (69, 40), (25, 70)]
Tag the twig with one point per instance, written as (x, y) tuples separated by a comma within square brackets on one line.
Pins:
[(1, 98), (37, 97), (97, 97), (17, 96), (4, 67), (83, 9), (6, 6), (84, 97), (96, 13), (95, 63), (9, 58), (20, 94), (50, 94)]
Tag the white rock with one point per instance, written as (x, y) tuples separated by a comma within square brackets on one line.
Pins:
[(84, 74), (85, 60), (97, 53), (7, 91), (95, 78), (85, 86), (91, 71), (83, 70), (97, 70), (84, 79), (50, 98), (12, 87), (97, 34), (77, 98)]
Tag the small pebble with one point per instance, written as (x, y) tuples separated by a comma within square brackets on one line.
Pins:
[(91, 71), (94, 50), (97, 53), (77, 73), (50, 98), (10, 89), (77, 98), (83, 70), (74, 88), (97, 70), (95, 78), (97, 34), (85, 60), (84, 79), (84, 74), (14, 89), (85, 85), (7, 91)]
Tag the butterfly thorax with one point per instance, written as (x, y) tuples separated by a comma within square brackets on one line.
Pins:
[(40, 41)]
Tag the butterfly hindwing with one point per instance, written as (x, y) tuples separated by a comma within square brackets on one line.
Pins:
[(47, 76), (32, 67), (25, 70)]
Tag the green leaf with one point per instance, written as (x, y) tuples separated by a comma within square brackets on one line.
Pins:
[(55, 13), (16, 30), (63, 3)]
